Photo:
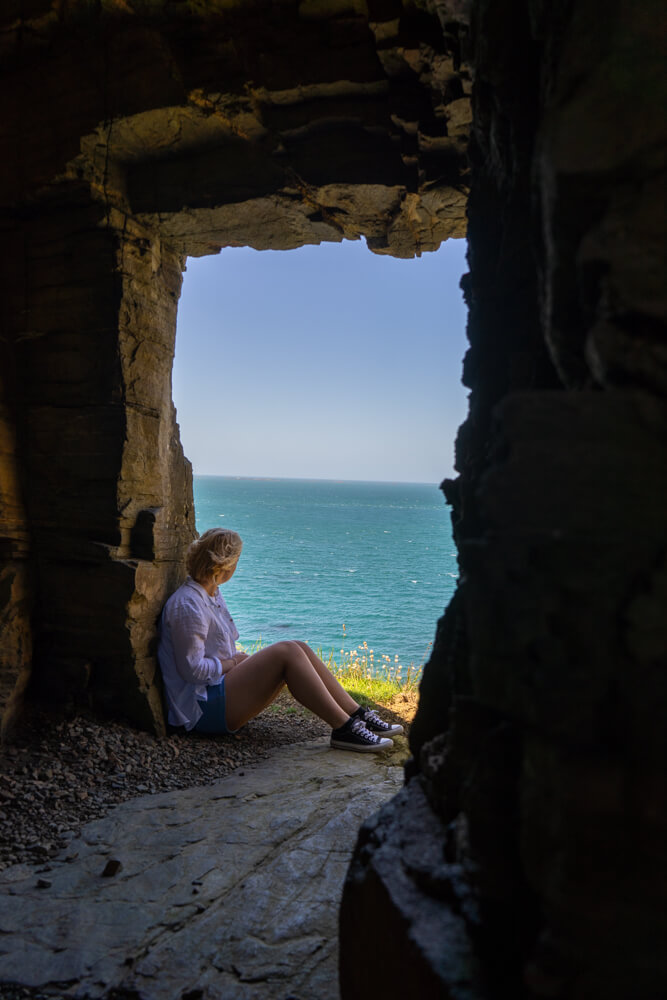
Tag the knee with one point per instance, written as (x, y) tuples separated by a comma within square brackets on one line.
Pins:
[(292, 651), (286, 649)]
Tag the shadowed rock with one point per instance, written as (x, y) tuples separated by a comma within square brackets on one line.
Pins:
[(232, 888)]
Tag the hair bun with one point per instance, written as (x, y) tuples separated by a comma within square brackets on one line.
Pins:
[(217, 548)]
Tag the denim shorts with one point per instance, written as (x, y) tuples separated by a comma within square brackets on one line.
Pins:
[(214, 718)]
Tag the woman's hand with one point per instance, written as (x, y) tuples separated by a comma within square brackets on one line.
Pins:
[(237, 658)]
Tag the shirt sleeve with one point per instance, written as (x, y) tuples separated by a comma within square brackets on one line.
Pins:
[(189, 629)]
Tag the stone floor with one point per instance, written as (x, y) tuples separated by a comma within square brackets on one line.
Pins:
[(223, 892)]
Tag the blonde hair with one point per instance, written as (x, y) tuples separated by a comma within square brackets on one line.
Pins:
[(218, 548)]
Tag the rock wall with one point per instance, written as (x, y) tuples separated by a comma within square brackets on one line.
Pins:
[(137, 134), (15, 581), (526, 855), (107, 490)]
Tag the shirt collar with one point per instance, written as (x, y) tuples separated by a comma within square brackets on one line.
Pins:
[(200, 590)]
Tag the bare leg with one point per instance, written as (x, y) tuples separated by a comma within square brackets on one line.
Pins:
[(333, 686), (256, 682)]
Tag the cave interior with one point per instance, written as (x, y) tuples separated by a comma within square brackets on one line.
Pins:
[(525, 856)]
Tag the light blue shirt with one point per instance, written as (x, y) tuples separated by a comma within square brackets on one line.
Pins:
[(197, 632)]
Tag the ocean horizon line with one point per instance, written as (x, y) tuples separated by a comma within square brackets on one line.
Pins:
[(315, 479), (318, 553)]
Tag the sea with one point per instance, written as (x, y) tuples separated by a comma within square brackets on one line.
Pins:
[(336, 564)]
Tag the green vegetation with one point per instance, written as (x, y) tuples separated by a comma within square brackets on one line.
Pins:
[(371, 679)]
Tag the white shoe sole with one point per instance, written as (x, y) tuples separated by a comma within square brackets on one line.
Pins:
[(395, 731), (384, 744)]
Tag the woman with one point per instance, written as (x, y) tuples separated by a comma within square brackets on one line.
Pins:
[(212, 688)]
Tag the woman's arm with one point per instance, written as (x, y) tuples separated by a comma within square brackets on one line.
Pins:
[(189, 629), (199, 646), (191, 661)]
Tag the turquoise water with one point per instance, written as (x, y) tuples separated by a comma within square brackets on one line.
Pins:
[(317, 554)]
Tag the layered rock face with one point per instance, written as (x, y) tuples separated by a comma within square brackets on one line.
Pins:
[(526, 855), (137, 134)]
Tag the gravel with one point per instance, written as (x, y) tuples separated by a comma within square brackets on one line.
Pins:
[(60, 774)]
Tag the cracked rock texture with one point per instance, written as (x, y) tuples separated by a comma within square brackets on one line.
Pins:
[(231, 889), (540, 740), (136, 134)]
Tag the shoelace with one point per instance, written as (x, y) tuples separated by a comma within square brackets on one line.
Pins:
[(372, 716), (359, 729)]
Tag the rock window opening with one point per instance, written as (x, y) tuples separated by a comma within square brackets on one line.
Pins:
[(139, 134), (333, 364)]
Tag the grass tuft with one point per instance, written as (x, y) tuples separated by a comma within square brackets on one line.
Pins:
[(370, 678)]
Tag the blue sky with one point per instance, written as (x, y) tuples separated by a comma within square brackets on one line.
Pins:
[(326, 362)]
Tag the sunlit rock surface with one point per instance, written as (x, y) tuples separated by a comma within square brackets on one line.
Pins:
[(136, 133), (133, 135), (230, 889)]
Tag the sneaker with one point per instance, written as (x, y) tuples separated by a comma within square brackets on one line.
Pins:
[(372, 721), (354, 736)]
